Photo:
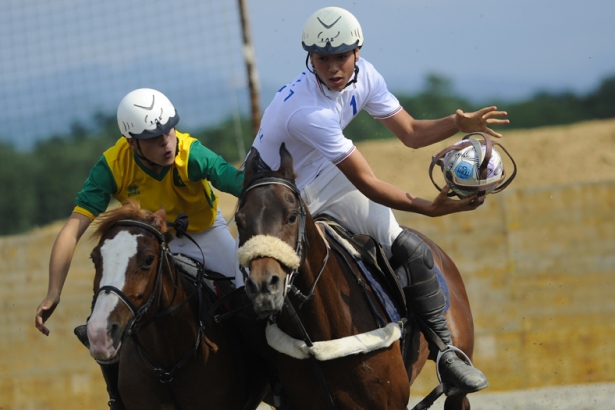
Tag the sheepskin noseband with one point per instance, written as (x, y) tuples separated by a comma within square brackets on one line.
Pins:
[(266, 246)]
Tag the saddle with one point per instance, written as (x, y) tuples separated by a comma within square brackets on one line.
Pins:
[(380, 275), (216, 282)]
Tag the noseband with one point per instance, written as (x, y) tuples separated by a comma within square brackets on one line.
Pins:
[(301, 236)]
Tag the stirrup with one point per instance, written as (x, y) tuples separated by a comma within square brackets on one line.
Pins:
[(450, 348)]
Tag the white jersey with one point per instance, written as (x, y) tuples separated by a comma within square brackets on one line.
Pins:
[(309, 118)]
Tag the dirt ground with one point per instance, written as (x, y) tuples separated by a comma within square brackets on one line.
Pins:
[(597, 396)]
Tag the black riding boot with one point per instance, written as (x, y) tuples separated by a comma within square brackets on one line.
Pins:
[(414, 265), (110, 372)]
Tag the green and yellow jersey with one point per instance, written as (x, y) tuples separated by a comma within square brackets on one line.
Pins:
[(183, 187)]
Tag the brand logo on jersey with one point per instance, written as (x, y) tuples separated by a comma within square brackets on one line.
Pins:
[(133, 190), (177, 181)]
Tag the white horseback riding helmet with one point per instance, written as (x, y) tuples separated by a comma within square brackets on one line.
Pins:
[(331, 30), (146, 113)]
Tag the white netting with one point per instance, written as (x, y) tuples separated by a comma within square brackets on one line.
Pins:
[(63, 61)]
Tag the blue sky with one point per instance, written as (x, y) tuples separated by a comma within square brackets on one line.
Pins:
[(63, 60), (491, 48)]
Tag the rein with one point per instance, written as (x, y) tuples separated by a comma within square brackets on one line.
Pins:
[(132, 331)]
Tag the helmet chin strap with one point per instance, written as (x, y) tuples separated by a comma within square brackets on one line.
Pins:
[(150, 162), (352, 81)]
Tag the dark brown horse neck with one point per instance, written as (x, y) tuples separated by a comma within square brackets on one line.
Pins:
[(337, 308)]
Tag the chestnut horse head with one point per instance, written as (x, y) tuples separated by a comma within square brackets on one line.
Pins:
[(153, 319), (130, 260)]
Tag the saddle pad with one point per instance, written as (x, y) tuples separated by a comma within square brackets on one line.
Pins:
[(382, 295), (444, 287), (382, 292)]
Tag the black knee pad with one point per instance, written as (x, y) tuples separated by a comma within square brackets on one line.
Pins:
[(409, 251), (414, 264)]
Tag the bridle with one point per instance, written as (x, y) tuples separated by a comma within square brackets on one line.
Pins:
[(163, 258), (301, 237), (164, 376)]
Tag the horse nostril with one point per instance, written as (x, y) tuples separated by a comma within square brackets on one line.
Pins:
[(273, 283), (251, 288), (113, 330)]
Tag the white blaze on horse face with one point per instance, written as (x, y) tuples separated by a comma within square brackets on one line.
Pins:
[(116, 254)]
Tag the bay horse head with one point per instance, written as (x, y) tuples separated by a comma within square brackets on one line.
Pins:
[(271, 227), (129, 261)]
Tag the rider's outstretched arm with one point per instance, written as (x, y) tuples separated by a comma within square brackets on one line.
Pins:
[(59, 263)]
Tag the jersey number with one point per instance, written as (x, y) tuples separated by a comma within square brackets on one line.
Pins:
[(353, 103), (290, 93)]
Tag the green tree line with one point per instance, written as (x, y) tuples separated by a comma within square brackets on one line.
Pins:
[(39, 186), (438, 99)]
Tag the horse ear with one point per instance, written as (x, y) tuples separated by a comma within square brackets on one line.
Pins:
[(254, 166), (249, 166), (286, 164), (160, 220)]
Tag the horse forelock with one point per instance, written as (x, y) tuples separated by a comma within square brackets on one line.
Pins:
[(130, 209)]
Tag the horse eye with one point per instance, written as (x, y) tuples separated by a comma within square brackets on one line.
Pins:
[(148, 261), (292, 218)]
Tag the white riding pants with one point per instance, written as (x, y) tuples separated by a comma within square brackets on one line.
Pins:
[(333, 194), (218, 246)]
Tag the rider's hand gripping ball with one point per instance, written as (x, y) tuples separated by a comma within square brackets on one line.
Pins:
[(471, 167)]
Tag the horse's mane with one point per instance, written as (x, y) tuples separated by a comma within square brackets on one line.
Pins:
[(130, 209)]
